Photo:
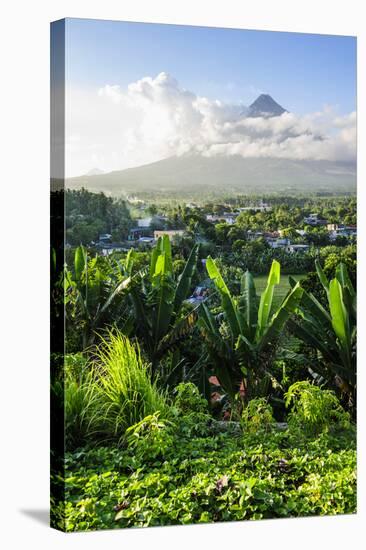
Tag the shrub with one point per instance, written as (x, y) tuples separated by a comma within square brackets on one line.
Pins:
[(188, 399), (257, 416), (315, 410), (150, 438), (123, 391), (78, 399), (192, 418), (75, 366)]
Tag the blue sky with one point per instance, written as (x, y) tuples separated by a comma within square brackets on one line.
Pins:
[(303, 72)]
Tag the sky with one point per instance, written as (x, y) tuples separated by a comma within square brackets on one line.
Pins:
[(136, 93)]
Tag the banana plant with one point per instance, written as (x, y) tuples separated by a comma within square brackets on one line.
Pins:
[(91, 290), (157, 303), (331, 330), (241, 338)]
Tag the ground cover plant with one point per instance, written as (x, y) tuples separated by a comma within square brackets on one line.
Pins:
[(183, 471)]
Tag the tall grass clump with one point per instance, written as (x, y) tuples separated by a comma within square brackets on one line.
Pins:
[(78, 398), (123, 393)]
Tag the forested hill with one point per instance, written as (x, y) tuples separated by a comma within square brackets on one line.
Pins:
[(192, 175)]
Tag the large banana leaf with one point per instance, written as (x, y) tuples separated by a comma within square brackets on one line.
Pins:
[(230, 309), (314, 311), (178, 332), (121, 287), (265, 304), (321, 275), (80, 262), (237, 354), (314, 338), (185, 279), (340, 321), (164, 296), (129, 261), (280, 318), (348, 292), (154, 256), (331, 332), (250, 302)]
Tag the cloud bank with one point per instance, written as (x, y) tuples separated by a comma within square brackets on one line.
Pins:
[(154, 118)]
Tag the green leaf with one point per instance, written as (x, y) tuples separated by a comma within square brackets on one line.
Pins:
[(129, 260), (322, 278), (267, 297), (123, 285), (349, 293), (80, 261), (250, 302), (306, 332), (154, 256), (185, 279), (162, 249), (228, 305), (340, 321), (316, 310), (279, 319)]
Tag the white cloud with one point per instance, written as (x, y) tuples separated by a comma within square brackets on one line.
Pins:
[(154, 118)]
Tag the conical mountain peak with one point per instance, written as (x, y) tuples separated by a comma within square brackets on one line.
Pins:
[(265, 106)]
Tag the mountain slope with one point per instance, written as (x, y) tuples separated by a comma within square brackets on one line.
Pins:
[(195, 176)]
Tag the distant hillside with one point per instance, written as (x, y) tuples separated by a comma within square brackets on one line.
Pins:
[(195, 176)]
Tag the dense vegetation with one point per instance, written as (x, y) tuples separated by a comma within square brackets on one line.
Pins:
[(239, 405), (88, 215), (184, 469)]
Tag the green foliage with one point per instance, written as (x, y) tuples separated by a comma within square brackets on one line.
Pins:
[(331, 256), (78, 395), (167, 460), (157, 303), (106, 394), (257, 416), (72, 398), (91, 291), (208, 479), (150, 438), (315, 410), (239, 340), (332, 331), (122, 388), (191, 414), (178, 266), (188, 399), (90, 214)]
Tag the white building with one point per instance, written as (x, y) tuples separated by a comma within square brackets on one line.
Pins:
[(228, 218), (144, 222), (291, 248), (170, 232)]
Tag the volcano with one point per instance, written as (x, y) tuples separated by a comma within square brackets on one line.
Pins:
[(265, 106)]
